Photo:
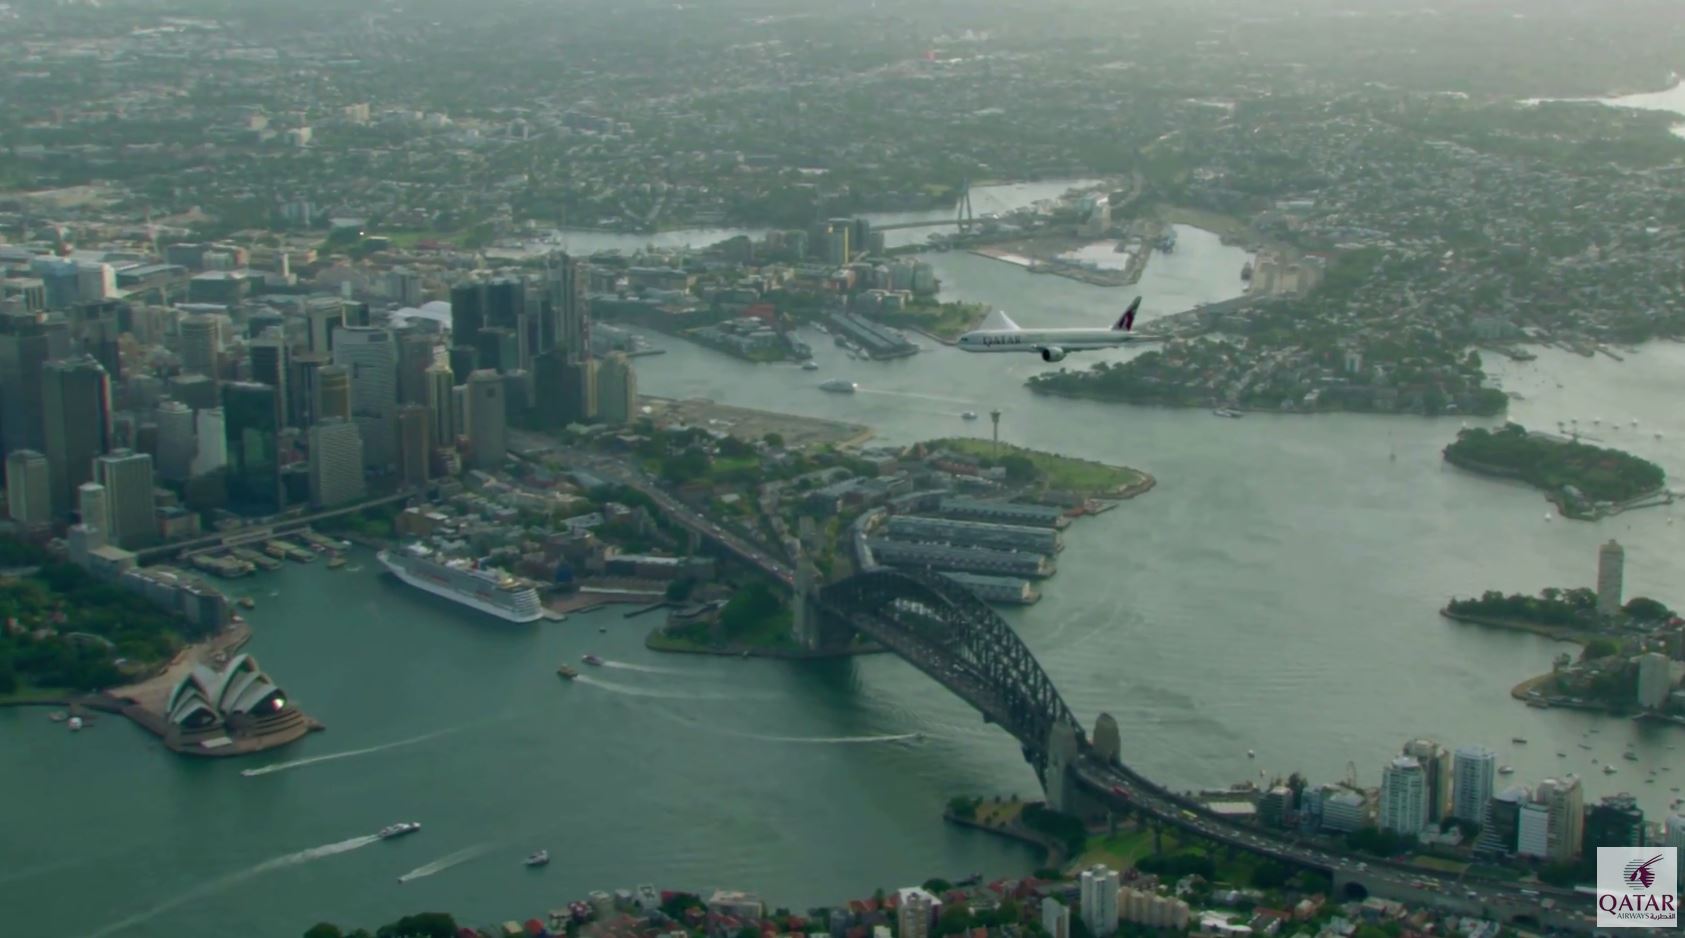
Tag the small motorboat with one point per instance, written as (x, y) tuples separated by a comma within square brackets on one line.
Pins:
[(1518, 740), (969, 415), (1251, 755), (336, 561), (399, 829), (538, 858), (75, 724), (246, 602), (591, 659), (1506, 770), (602, 630), (567, 673), (1608, 770), (810, 366)]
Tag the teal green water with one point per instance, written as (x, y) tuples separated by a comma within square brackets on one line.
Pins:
[(1276, 591)]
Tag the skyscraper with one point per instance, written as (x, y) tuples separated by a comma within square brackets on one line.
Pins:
[(175, 441), (303, 380), (565, 322), (372, 358), (551, 394), (415, 356), (488, 441), (464, 360), (93, 508), (1436, 770), (441, 414), (254, 466), (468, 313), (580, 377), (211, 441), (1098, 895), (414, 451), (1610, 561), (77, 402), (29, 497), (336, 463), (1404, 797), (324, 317), (127, 477), (200, 346), (617, 390), (1472, 782), (497, 348), (1565, 802), (1615, 821), (916, 912), (271, 365), (333, 392), (25, 349)]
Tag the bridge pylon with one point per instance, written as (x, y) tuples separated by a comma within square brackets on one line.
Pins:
[(963, 218)]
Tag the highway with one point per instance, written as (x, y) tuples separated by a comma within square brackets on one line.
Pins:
[(610, 469), (1119, 786)]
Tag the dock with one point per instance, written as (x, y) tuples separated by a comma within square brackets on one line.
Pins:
[(283, 548), (256, 559)]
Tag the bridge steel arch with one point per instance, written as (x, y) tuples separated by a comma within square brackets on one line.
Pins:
[(948, 633)]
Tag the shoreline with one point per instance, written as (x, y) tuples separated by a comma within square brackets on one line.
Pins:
[(1556, 632), (1053, 854)]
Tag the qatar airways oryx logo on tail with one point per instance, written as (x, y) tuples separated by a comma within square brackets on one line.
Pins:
[(1637, 887)]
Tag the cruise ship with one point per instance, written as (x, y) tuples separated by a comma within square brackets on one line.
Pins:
[(465, 582)]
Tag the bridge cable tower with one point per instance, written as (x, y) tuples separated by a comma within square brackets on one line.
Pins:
[(963, 217)]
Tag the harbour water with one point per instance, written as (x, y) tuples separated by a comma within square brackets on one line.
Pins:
[(1276, 591)]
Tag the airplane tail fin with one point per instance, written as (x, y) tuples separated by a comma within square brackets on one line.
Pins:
[(998, 320), (1126, 323)]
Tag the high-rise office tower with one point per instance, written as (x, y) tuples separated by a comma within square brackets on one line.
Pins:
[(303, 375), (460, 411), (25, 349), (372, 358), (356, 314), (211, 440), (1404, 797), (29, 497), (1565, 801), (468, 314), (251, 432), (77, 417), (1611, 561), (565, 322), (506, 299), (441, 414), (336, 462), (323, 317), (200, 346), (617, 390), (127, 477), (333, 392), (271, 365), (488, 442), (551, 395), (93, 510), (463, 360), (176, 444), (1436, 768), (414, 449), (1471, 785), (415, 356), (196, 391), (497, 349), (1615, 821), (580, 377)]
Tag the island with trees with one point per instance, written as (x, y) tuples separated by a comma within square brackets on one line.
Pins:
[(1585, 482), (1569, 614)]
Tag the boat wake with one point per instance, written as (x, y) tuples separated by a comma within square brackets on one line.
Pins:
[(662, 694), (332, 756), (769, 738), (645, 668), (234, 879), (913, 394), (445, 862)]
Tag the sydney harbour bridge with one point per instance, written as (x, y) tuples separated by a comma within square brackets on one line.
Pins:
[(945, 631)]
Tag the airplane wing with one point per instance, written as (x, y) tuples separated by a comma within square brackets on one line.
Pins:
[(998, 320)]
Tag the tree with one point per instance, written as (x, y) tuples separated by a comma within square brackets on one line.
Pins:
[(1645, 609), (937, 886), (774, 440), (421, 925), (1599, 648), (1020, 469), (324, 930), (956, 918)]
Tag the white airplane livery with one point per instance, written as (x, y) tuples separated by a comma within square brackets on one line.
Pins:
[(1000, 334)]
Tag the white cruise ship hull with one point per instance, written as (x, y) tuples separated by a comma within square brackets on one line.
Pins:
[(464, 599)]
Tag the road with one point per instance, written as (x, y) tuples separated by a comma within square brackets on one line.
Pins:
[(1122, 787), (610, 469)]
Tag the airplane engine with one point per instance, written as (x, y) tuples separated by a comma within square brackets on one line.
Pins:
[(1052, 354)]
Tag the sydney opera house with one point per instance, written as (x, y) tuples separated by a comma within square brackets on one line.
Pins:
[(229, 712)]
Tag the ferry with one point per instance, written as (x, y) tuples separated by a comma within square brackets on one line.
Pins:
[(567, 673), (839, 386), (591, 659), (969, 415), (399, 829), (464, 582), (810, 366), (537, 859)]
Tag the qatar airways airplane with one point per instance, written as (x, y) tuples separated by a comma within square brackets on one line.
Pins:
[(1000, 334)]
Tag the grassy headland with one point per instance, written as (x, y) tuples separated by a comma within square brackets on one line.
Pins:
[(1052, 471)]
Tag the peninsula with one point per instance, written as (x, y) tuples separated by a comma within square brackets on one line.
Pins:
[(1585, 482)]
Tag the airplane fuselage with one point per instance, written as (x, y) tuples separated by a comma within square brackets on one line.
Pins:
[(1034, 340)]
